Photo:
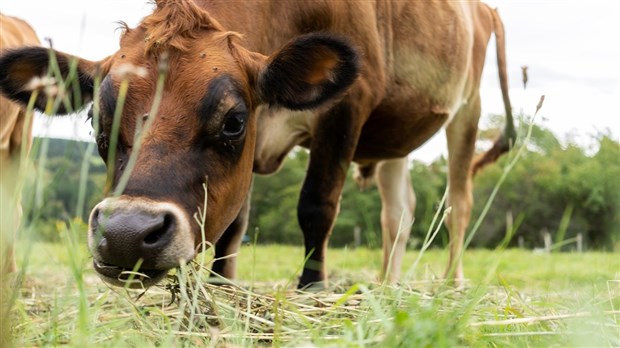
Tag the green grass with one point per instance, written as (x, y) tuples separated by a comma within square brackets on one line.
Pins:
[(522, 268), (513, 298)]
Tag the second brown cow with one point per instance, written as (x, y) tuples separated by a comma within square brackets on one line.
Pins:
[(15, 141)]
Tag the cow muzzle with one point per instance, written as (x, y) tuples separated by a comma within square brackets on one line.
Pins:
[(136, 234)]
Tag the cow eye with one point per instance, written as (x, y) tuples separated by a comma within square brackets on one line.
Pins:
[(234, 126)]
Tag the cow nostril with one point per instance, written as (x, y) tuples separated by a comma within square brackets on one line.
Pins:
[(94, 221), (159, 233), (125, 236)]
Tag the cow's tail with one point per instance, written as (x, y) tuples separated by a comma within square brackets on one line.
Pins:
[(507, 139)]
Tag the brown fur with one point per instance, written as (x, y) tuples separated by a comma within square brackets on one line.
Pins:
[(418, 70), (14, 130), (175, 25)]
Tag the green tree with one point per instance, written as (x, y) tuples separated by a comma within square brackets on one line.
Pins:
[(552, 182)]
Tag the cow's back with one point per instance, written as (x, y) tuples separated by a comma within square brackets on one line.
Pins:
[(418, 57)]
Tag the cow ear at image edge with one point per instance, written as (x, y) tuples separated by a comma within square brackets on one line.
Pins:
[(308, 71), (25, 70)]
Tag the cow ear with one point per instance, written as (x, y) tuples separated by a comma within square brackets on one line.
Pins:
[(64, 79), (308, 71)]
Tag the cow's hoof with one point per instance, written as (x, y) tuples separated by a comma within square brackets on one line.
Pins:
[(312, 286), (312, 279)]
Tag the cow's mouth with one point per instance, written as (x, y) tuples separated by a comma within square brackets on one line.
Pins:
[(125, 277)]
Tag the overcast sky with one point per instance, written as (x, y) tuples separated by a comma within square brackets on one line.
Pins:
[(572, 49)]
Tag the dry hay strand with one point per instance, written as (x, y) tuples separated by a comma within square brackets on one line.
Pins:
[(267, 312), (257, 311), (188, 304)]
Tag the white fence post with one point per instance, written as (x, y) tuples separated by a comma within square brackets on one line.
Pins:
[(357, 236), (547, 240)]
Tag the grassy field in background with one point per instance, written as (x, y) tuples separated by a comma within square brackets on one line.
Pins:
[(513, 298)]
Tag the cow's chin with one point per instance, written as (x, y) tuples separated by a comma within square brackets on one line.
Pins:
[(124, 277)]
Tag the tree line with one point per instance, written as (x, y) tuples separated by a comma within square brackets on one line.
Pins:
[(561, 189)]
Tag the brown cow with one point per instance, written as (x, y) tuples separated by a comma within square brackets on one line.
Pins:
[(376, 80), (15, 141)]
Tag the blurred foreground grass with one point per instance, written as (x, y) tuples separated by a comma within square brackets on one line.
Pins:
[(513, 298)]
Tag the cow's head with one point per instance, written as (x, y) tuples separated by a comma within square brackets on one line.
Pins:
[(203, 130)]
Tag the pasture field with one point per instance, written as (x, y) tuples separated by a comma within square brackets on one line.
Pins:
[(513, 298)]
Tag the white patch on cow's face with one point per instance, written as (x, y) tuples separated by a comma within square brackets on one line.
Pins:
[(278, 131)]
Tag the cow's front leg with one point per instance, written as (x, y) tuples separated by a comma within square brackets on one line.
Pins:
[(225, 263), (331, 152)]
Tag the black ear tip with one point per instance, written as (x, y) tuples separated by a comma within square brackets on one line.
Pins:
[(338, 43), (25, 53), (285, 81), (33, 57), (19, 66), (349, 58)]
